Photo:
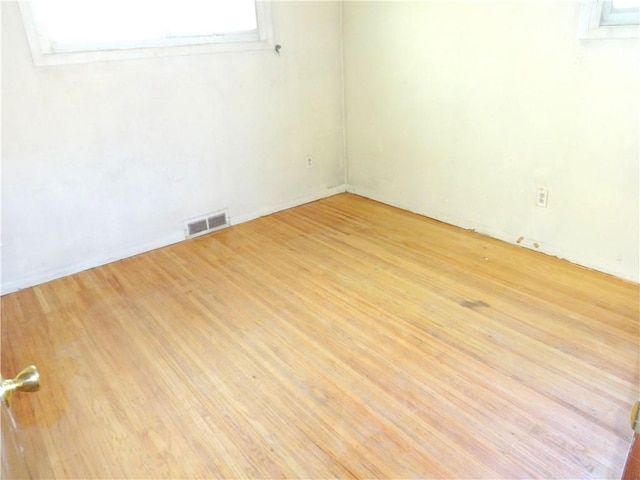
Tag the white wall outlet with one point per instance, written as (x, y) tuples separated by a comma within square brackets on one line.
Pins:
[(542, 197), (309, 161)]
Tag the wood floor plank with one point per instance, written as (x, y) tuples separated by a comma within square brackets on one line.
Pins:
[(340, 339)]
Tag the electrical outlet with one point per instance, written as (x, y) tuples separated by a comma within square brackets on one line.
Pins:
[(542, 197), (309, 162)]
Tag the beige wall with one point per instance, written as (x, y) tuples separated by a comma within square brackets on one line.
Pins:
[(105, 160), (456, 110), (459, 110)]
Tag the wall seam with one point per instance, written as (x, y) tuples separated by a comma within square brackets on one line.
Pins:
[(345, 159)]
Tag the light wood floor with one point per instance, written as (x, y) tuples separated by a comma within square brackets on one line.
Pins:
[(343, 338)]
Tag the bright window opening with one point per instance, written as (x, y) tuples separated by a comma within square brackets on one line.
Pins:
[(609, 19), (73, 31), (620, 12)]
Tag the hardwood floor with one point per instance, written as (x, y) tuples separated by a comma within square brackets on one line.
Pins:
[(343, 338)]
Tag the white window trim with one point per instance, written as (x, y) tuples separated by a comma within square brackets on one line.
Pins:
[(590, 23), (43, 55)]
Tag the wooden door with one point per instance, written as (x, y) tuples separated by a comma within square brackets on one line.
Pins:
[(632, 466), (13, 463), (13, 460)]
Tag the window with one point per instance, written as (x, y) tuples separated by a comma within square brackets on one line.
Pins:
[(609, 19), (78, 31)]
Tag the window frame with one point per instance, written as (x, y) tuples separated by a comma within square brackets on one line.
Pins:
[(44, 54), (598, 20)]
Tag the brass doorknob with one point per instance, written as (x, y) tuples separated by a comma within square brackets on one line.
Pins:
[(28, 380)]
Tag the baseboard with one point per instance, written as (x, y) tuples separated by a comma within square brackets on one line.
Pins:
[(43, 277), (48, 276), (236, 220), (536, 245)]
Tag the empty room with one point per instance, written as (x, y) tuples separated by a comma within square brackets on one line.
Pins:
[(320, 239)]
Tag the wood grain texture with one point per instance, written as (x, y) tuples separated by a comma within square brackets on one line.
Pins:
[(631, 469), (342, 338)]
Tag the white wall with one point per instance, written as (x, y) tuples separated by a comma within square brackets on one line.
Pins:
[(105, 160), (459, 110), (456, 110)]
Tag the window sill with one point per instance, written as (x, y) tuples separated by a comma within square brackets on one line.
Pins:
[(610, 32), (49, 59)]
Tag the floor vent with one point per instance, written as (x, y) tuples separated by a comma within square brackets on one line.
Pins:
[(205, 224)]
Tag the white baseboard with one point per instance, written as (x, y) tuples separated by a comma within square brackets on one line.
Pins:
[(536, 245), (47, 276), (236, 220)]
